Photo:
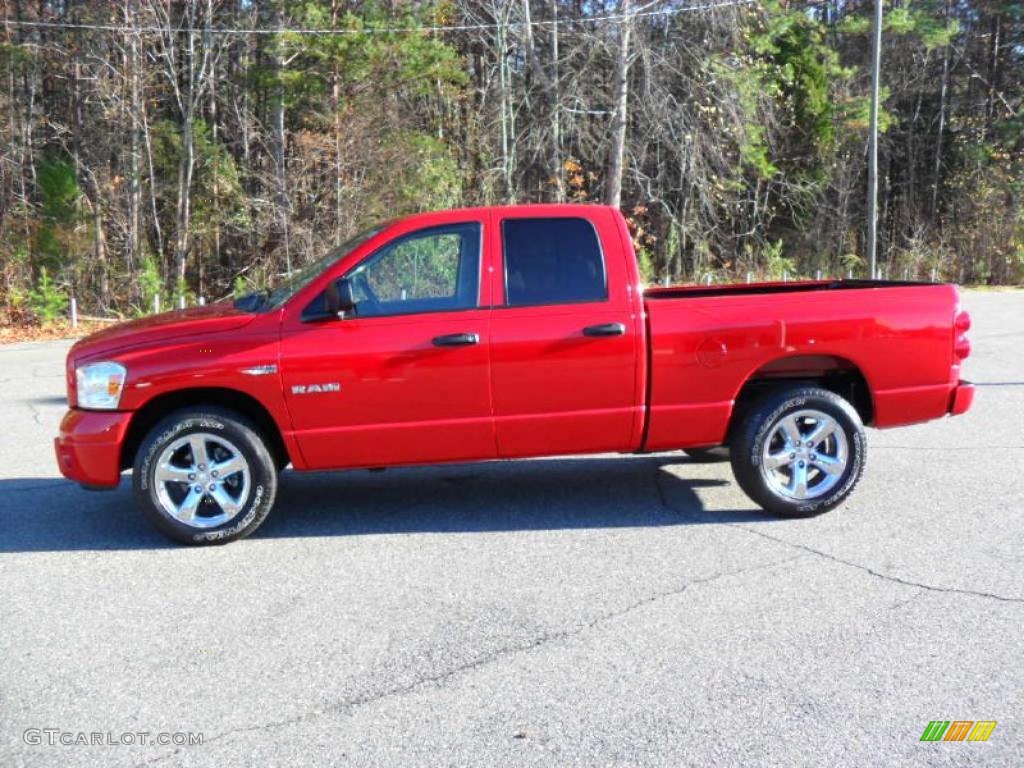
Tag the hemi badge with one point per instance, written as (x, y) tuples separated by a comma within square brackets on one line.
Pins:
[(260, 370)]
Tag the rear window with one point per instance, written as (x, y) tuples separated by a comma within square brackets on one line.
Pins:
[(552, 261)]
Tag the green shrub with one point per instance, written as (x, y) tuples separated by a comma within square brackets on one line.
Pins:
[(776, 265), (47, 300), (150, 285)]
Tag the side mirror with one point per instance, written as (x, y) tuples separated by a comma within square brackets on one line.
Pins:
[(339, 298)]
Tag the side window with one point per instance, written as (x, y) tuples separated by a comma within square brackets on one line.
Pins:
[(431, 270), (552, 261)]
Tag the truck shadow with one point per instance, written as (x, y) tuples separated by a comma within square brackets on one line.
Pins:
[(59, 400), (48, 514)]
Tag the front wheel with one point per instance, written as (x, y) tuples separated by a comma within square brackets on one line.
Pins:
[(799, 452), (204, 476)]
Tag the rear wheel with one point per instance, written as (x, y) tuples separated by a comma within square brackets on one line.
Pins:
[(204, 476), (799, 452)]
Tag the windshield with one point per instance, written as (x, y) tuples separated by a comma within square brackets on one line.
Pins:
[(262, 301)]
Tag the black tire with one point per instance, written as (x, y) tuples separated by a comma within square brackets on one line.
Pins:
[(235, 431), (711, 455), (759, 423)]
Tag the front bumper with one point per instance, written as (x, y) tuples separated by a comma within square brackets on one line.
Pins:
[(961, 398), (89, 446)]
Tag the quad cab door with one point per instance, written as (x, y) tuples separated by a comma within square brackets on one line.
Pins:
[(566, 333), (404, 378)]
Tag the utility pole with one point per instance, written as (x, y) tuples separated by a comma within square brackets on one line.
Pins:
[(876, 66)]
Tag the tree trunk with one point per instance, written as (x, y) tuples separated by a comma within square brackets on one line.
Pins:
[(157, 229), (336, 106), (507, 114), (943, 90), (100, 244), (556, 110), (616, 157), (183, 210), (132, 254), (279, 140), (215, 128)]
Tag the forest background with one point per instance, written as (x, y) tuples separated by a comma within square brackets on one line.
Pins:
[(159, 151)]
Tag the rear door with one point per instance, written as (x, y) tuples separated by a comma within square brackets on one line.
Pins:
[(565, 337)]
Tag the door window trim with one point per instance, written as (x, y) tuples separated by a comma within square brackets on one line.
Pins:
[(417, 233), (504, 264)]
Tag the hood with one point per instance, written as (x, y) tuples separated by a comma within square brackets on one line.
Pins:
[(166, 326)]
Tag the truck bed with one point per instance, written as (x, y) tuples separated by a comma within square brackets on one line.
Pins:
[(893, 339)]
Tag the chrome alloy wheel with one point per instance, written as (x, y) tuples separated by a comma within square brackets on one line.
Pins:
[(805, 455), (202, 480)]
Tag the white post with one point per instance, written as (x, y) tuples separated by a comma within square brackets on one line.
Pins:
[(817, 275), (785, 276), (181, 301), (748, 277), (74, 312), (849, 274), (202, 301), (933, 274), (156, 304)]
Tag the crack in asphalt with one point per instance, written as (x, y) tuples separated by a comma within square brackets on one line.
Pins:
[(439, 679), (36, 415), (879, 574), (828, 556)]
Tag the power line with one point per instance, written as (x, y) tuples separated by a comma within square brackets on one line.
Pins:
[(561, 23)]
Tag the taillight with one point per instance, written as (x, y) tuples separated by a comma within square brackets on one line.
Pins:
[(962, 322), (961, 344), (962, 347)]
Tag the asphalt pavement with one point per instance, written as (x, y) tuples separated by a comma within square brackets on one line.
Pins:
[(585, 611)]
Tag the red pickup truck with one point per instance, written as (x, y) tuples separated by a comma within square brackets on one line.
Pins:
[(500, 333)]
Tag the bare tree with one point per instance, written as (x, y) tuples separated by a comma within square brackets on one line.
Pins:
[(617, 152), (187, 65)]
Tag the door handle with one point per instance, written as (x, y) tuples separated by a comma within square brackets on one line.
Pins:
[(456, 340), (605, 329)]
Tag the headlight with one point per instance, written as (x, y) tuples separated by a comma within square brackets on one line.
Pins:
[(99, 385)]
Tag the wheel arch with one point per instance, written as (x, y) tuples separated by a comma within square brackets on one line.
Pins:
[(231, 399), (832, 372)]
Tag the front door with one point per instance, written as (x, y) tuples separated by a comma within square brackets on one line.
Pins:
[(405, 379)]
